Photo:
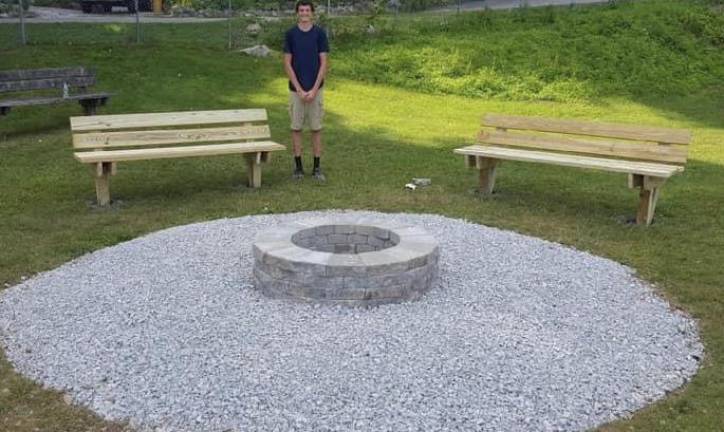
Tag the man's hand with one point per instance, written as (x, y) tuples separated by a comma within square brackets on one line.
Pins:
[(302, 94), (311, 95)]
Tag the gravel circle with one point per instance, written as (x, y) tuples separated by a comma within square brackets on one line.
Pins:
[(167, 331)]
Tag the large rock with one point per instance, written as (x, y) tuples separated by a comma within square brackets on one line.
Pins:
[(212, 13), (257, 51), (253, 29), (181, 11)]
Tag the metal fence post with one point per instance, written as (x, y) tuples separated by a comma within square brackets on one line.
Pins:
[(228, 19), (21, 14), (138, 24)]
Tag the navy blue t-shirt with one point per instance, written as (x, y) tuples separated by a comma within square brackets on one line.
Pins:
[(305, 46)]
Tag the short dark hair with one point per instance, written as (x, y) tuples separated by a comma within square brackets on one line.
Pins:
[(303, 3)]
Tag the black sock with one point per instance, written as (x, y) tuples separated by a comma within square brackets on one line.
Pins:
[(298, 163), (316, 163)]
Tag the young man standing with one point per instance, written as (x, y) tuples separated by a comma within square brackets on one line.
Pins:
[(305, 62)]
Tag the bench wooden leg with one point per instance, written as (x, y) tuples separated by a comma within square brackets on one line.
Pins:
[(89, 106), (648, 195), (102, 174), (253, 169), (486, 168), (470, 161)]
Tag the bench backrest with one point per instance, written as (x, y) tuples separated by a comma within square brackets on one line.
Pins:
[(172, 128), (42, 79), (641, 143)]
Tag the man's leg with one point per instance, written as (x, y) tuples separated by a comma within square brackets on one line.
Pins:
[(296, 113), (297, 142), (316, 114), (317, 143), (297, 150), (317, 150)]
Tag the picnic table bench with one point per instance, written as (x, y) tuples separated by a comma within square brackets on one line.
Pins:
[(649, 155), (64, 79), (103, 141)]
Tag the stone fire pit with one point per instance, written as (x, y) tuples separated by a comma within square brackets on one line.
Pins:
[(346, 262)]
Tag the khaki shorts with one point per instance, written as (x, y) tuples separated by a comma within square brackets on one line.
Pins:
[(312, 112)]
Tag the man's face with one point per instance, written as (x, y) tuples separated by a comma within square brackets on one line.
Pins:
[(304, 13)]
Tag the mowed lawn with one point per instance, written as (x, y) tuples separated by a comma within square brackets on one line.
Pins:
[(395, 110)]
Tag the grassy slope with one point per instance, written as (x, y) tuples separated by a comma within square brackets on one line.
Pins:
[(384, 131)]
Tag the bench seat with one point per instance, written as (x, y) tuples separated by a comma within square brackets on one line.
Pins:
[(52, 100), (622, 166), (648, 155), (102, 141), (63, 80), (177, 152)]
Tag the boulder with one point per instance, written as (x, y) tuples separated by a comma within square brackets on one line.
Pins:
[(257, 51), (253, 29), (181, 11)]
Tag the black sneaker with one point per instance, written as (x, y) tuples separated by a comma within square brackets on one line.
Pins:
[(317, 174), (298, 174)]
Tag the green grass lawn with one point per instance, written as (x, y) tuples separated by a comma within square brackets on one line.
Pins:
[(397, 103)]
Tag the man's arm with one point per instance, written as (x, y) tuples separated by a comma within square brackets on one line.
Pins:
[(323, 62), (292, 76)]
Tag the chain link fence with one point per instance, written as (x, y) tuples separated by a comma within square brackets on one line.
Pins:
[(229, 23)]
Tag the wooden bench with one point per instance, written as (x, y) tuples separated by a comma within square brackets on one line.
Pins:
[(649, 155), (170, 135), (63, 79)]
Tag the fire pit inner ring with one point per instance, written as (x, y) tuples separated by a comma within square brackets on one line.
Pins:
[(351, 263), (346, 239)]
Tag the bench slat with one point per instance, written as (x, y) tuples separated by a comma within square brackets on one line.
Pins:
[(157, 120), (172, 136), (46, 83), (51, 100), (643, 168), (177, 152), (618, 149), (24, 74), (609, 130)]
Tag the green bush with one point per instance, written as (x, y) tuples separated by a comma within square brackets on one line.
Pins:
[(416, 5), (7, 6), (374, 5), (56, 3), (224, 4), (705, 25), (626, 48)]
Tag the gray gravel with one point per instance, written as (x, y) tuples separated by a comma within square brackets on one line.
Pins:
[(167, 331)]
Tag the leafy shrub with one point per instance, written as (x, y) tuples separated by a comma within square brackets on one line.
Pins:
[(8, 6), (376, 6), (705, 25), (416, 5), (68, 4), (641, 48), (224, 4)]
